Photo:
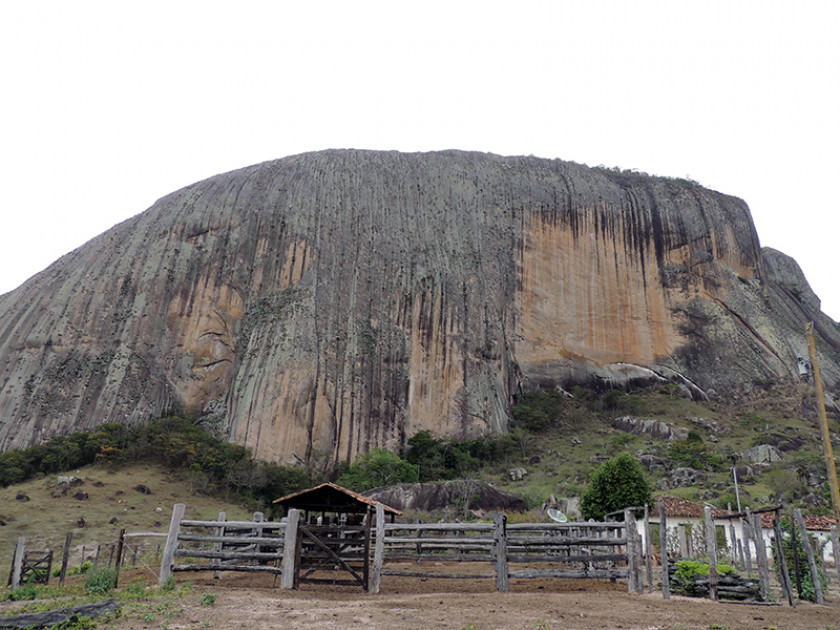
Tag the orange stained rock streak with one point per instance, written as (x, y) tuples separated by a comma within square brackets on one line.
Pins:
[(436, 364), (588, 295)]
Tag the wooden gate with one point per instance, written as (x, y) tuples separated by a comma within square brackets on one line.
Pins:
[(327, 550)]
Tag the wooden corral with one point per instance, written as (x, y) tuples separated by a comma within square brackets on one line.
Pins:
[(302, 553)]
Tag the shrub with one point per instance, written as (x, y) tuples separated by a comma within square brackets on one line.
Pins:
[(538, 411), (101, 581), (209, 599), (616, 484), (378, 468), (806, 580)]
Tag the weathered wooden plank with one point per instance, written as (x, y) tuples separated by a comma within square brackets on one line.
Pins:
[(226, 555), (171, 542), (711, 551), (441, 527), (232, 540), (568, 542), (51, 618), (611, 557), (378, 550), (239, 568), (243, 525), (565, 526), (500, 552), (787, 589), (415, 540), (411, 557), (570, 573), (663, 550), (437, 574), (290, 550)]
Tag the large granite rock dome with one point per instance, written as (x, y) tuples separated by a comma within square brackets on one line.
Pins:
[(336, 301)]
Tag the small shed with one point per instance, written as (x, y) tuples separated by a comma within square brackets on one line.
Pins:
[(329, 502), (335, 531)]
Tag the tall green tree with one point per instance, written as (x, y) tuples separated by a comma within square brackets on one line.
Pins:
[(615, 485), (377, 468)]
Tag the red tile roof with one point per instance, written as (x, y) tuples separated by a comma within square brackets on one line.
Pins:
[(683, 508), (812, 523)]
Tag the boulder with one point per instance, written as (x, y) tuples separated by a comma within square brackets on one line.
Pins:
[(686, 477), (763, 453), (650, 427), (517, 474), (448, 495), (652, 462)]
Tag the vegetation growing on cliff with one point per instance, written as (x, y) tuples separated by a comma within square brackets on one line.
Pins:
[(558, 439)]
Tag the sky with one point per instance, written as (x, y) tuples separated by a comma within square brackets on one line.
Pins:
[(107, 106)]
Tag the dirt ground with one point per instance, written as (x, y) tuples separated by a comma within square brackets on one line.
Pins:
[(253, 602)]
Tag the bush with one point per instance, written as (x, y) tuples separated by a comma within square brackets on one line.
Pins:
[(615, 485), (101, 581), (538, 411), (807, 582), (378, 468)]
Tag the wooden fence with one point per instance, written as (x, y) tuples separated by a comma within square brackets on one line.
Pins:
[(296, 551)]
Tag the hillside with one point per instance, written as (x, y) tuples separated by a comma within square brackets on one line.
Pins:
[(324, 304), (110, 494), (557, 440), (691, 449)]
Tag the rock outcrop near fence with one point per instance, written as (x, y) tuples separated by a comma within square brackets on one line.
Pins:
[(298, 552)]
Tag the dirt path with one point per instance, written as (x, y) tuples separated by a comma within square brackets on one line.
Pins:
[(252, 603)]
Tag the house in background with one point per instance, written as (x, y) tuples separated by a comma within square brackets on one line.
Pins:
[(686, 519)]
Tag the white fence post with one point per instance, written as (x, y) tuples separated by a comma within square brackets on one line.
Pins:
[(378, 551), (171, 542), (287, 579)]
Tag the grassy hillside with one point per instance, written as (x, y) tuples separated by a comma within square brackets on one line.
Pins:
[(560, 458), (45, 519)]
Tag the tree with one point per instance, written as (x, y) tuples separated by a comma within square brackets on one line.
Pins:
[(616, 484), (377, 468)]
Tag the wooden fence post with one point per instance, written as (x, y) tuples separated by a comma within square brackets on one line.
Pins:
[(218, 546), (630, 534), (683, 541), (663, 548), (809, 553), (17, 563), (746, 528), (500, 551), (287, 579), (711, 549), (761, 557), (378, 550), (733, 550), (168, 558), (65, 557), (120, 544), (648, 550), (258, 518), (787, 589)]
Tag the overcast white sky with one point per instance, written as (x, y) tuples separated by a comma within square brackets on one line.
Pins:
[(107, 106)]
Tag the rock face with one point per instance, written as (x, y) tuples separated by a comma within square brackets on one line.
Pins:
[(337, 301), (461, 493)]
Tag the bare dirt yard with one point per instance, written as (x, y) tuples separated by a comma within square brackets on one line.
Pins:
[(253, 602)]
